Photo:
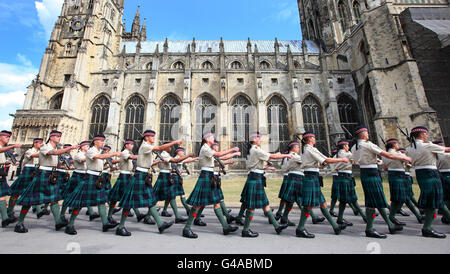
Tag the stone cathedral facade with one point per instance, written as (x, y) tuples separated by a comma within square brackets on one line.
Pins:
[(350, 68)]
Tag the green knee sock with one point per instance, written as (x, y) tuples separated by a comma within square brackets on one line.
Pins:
[(286, 212), (90, 210), (248, 219), (111, 210), (154, 213), (123, 219), (413, 209), (192, 214), (102, 212), (303, 217), (311, 213), (166, 205), (173, 204), (241, 212), (445, 212), (73, 216), (38, 209), (219, 215), (199, 213), (395, 207), (272, 218), (370, 216), (414, 201), (341, 212), (63, 210), (55, 211), (385, 217), (327, 215), (333, 204), (429, 218), (23, 213), (352, 207), (3, 210), (136, 211), (12, 204), (281, 207), (186, 206), (224, 209), (358, 208)]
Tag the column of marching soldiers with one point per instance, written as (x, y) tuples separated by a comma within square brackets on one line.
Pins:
[(44, 182)]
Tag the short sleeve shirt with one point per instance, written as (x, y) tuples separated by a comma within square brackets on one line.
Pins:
[(28, 159), (46, 159), (443, 161), (425, 153), (78, 161), (391, 163), (206, 156), (145, 157), (91, 163), (257, 158), (295, 163), (367, 153), (312, 157), (2, 157), (166, 164), (343, 166), (125, 164)]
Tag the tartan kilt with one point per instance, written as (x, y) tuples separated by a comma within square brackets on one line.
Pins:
[(119, 188), (283, 186), (398, 186), (137, 193), (61, 183), (4, 187), (311, 193), (73, 182), (21, 183), (40, 191), (431, 194), (409, 185), (446, 185), (253, 195), (178, 186), (335, 192), (293, 191), (86, 194), (163, 190), (347, 193), (373, 188), (107, 184), (203, 194)]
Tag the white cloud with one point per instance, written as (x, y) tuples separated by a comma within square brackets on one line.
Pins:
[(16, 77), (6, 124), (14, 98), (48, 11)]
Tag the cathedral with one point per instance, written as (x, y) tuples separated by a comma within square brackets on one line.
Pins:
[(353, 66)]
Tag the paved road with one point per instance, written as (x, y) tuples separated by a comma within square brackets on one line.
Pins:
[(42, 238)]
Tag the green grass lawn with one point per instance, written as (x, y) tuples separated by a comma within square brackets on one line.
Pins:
[(232, 189)]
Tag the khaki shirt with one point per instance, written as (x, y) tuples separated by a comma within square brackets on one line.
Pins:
[(206, 156), (126, 164), (424, 154), (46, 159), (91, 163), (2, 157), (312, 157), (145, 157), (295, 163), (443, 161), (28, 159), (343, 166), (284, 165), (166, 164), (390, 163), (257, 158), (78, 160), (367, 152)]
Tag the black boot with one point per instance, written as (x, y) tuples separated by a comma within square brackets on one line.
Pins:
[(61, 225), (395, 229), (63, 219), (318, 220), (230, 219), (149, 221), (344, 222), (278, 216), (229, 229), (40, 214), (140, 217), (338, 230), (433, 234), (443, 219), (46, 212), (289, 223), (239, 222), (304, 234), (109, 226), (249, 234), (397, 222), (8, 221), (117, 210), (280, 228), (166, 214), (122, 232), (70, 230), (165, 226), (20, 229), (189, 234), (332, 213), (180, 220), (93, 216), (375, 234), (199, 222), (111, 220)]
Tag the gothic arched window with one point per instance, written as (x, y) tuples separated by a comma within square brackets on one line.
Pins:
[(56, 101), (264, 65), (99, 117), (205, 119), (240, 113), (207, 65), (170, 115), (313, 121), (134, 119), (342, 8), (278, 124), (178, 65), (357, 11), (348, 113), (236, 65)]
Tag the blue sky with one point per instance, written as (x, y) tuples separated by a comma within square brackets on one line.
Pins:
[(26, 25)]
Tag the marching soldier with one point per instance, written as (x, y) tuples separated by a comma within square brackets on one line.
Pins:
[(334, 185), (4, 168), (30, 165), (179, 191), (312, 195), (253, 195), (365, 154), (206, 191), (443, 165), (91, 191), (346, 182), (279, 212), (44, 186), (139, 193)]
